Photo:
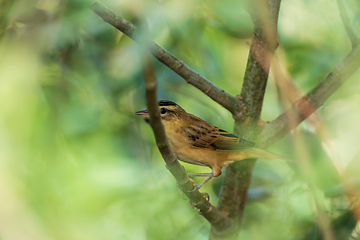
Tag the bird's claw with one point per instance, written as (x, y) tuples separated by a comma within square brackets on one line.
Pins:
[(182, 194), (205, 195), (196, 186)]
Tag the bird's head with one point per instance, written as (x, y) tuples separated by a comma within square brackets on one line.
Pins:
[(169, 112)]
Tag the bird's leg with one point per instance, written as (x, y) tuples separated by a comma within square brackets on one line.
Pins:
[(208, 175), (200, 174), (205, 181)]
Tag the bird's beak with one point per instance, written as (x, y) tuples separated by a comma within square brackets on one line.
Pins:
[(142, 112)]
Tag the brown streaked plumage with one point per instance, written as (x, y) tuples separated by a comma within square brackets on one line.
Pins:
[(196, 141)]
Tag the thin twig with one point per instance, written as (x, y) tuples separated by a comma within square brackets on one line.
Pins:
[(220, 96), (197, 200), (342, 188), (314, 99), (346, 21)]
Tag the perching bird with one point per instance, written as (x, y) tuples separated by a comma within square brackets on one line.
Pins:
[(196, 141)]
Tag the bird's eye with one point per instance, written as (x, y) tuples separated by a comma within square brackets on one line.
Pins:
[(163, 110)]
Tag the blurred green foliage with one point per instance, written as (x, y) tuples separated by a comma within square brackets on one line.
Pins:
[(75, 163)]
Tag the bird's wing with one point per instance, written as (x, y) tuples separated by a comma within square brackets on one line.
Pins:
[(228, 141), (211, 137)]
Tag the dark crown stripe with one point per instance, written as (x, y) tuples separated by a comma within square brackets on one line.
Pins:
[(166, 103)]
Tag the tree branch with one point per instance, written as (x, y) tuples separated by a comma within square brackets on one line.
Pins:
[(346, 21), (314, 99), (246, 110), (343, 188), (197, 200), (220, 96), (263, 44)]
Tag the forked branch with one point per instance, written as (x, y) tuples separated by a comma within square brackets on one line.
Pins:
[(314, 99), (246, 111), (237, 179), (190, 76)]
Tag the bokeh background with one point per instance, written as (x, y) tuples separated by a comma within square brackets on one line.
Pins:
[(76, 163)]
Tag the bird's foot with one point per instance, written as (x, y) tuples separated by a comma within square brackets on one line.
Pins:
[(208, 175), (182, 193)]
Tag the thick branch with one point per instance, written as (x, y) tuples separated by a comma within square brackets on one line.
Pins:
[(220, 96), (197, 200), (346, 21), (263, 44), (314, 99)]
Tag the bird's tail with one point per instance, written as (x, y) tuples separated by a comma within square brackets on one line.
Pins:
[(256, 153)]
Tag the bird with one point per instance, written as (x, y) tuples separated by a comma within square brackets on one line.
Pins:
[(198, 142)]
